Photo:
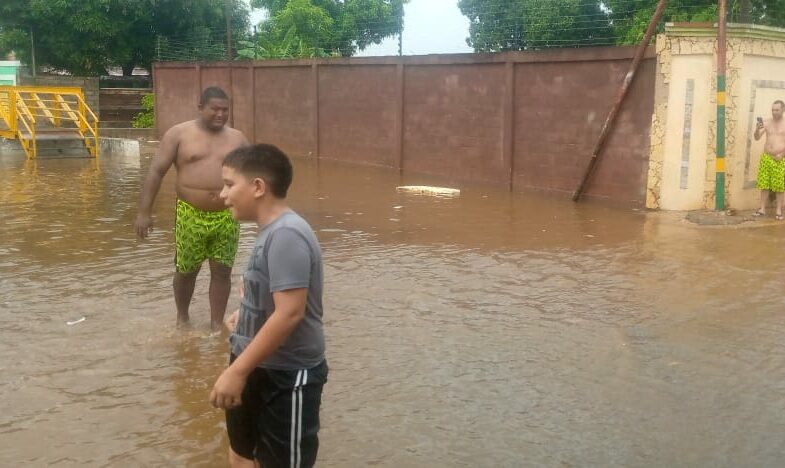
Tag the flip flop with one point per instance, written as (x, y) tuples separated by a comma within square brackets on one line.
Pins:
[(759, 213)]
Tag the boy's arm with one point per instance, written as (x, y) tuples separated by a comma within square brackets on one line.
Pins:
[(289, 311)]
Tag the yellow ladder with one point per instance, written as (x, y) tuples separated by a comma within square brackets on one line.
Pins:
[(24, 109)]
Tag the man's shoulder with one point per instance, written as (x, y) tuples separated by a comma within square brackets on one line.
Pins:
[(235, 134), (178, 130)]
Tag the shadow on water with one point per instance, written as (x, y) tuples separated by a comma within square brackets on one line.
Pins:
[(490, 329)]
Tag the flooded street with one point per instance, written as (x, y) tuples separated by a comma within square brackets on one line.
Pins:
[(488, 330)]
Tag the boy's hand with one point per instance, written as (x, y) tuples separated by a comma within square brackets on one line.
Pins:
[(231, 321), (228, 389)]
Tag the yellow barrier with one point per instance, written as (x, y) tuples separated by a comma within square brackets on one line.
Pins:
[(23, 108)]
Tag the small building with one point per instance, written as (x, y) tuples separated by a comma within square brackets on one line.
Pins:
[(8, 72)]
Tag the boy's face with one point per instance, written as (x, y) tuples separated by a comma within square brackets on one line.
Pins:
[(240, 194)]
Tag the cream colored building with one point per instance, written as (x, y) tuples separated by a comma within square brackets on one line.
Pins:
[(684, 124)]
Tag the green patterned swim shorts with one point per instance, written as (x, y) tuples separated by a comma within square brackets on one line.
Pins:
[(200, 235), (771, 173)]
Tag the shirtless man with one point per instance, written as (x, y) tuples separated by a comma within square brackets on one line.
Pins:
[(204, 228), (771, 171)]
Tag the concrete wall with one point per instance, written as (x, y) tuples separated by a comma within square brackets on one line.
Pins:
[(523, 120), (88, 84), (682, 169)]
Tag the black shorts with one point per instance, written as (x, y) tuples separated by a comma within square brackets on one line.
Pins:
[(278, 421)]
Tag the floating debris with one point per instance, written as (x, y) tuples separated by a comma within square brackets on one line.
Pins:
[(74, 322), (428, 190)]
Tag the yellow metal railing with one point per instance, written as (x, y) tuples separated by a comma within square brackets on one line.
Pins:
[(24, 108)]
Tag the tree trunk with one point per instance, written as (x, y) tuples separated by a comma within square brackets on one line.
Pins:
[(128, 69)]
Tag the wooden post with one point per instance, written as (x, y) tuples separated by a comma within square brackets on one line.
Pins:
[(252, 70), (315, 76), (508, 129), (628, 79), (399, 112)]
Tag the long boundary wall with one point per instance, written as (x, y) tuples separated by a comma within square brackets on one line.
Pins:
[(523, 120)]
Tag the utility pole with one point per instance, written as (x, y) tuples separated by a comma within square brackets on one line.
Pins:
[(744, 11), (721, 58), (32, 52), (228, 14)]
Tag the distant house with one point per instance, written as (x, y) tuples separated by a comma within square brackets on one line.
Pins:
[(9, 72)]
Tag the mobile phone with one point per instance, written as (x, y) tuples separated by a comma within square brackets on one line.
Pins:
[(760, 120)]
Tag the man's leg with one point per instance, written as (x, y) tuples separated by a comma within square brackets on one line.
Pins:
[(183, 292), (779, 204), (220, 288), (764, 196)]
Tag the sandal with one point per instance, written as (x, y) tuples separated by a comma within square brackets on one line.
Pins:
[(778, 217), (759, 213)]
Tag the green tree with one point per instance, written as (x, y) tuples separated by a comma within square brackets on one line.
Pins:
[(499, 25), (631, 17), (86, 36), (332, 27)]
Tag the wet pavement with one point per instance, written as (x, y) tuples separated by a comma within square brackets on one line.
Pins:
[(490, 329)]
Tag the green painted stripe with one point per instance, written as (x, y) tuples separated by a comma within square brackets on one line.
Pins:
[(721, 131), (721, 83), (7, 70), (6, 82), (720, 202)]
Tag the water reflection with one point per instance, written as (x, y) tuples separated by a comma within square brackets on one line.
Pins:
[(493, 329)]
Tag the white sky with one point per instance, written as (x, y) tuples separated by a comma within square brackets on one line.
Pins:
[(430, 27)]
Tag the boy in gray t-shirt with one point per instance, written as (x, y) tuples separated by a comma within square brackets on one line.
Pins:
[(272, 389)]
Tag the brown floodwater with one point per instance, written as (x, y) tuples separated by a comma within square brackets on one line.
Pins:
[(487, 330)]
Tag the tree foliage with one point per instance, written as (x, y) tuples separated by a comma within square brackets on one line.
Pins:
[(497, 25), (145, 118), (85, 37), (331, 27)]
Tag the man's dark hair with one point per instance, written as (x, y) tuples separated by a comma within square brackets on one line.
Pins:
[(779, 101), (266, 162), (213, 92)]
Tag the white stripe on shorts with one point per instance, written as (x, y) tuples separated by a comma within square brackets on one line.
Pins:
[(294, 456)]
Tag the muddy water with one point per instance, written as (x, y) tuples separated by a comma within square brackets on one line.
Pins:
[(489, 330)]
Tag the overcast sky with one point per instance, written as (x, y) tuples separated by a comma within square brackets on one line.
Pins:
[(430, 27)]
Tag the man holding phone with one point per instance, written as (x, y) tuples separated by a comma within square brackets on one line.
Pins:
[(771, 169)]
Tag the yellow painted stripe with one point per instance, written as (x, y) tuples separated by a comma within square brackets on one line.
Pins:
[(720, 164), (721, 98)]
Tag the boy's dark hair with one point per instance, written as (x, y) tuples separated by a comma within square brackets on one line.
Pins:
[(779, 101), (213, 92), (266, 162)]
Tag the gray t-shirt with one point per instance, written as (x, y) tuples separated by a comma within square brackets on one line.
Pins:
[(286, 255)]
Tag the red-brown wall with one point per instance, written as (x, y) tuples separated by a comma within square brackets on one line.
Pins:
[(526, 120)]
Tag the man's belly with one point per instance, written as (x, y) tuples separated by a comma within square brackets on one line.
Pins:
[(205, 200), (775, 148)]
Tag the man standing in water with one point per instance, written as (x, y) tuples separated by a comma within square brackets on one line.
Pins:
[(771, 169), (204, 228)]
